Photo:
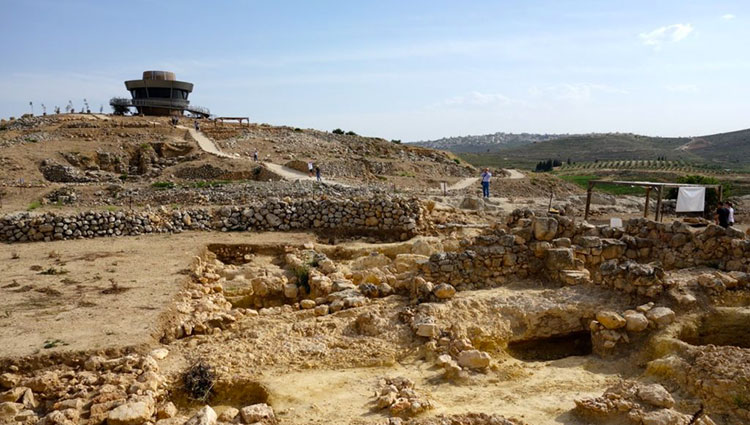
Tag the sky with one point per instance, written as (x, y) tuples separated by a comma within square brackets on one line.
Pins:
[(409, 70)]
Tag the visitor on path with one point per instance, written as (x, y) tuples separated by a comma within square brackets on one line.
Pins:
[(255, 155), (317, 174), (486, 176), (310, 168), (730, 207), (197, 126), (722, 215)]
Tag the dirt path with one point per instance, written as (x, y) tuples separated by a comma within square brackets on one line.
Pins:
[(205, 143), (515, 174), (285, 172), (291, 174), (470, 181), (464, 183)]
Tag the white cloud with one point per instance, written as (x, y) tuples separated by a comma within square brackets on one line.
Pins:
[(669, 33), (574, 93), (476, 98), (682, 88), (728, 17)]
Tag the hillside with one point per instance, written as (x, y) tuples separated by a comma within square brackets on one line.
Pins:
[(84, 148), (730, 150), (487, 142)]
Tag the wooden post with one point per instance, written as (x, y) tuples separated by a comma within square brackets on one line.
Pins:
[(588, 200), (659, 214), (648, 196), (721, 192)]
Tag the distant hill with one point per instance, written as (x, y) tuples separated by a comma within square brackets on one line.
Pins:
[(725, 149), (487, 142)]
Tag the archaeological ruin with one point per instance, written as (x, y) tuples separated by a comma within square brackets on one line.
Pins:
[(154, 274)]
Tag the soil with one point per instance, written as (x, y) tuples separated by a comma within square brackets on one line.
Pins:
[(115, 292)]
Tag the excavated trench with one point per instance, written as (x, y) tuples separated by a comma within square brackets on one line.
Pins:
[(239, 254), (552, 348), (237, 393), (724, 326)]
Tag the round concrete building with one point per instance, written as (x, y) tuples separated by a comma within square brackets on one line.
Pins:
[(159, 93)]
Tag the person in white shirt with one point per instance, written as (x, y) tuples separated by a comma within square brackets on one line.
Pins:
[(310, 168), (731, 214), (486, 176)]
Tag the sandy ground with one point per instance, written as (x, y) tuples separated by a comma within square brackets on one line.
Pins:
[(113, 290), (540, 393)]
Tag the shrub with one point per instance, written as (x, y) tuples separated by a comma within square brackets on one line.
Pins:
[(303, 276), (162, 185), (351, 133), (199, 381), (34, 205), (457, 161), (338, 131), (396, 141)]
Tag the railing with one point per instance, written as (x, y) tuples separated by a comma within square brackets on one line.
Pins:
[(160, 103)]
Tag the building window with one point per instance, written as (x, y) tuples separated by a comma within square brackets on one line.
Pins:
[(179, 94), (139, 93), (160, 92)]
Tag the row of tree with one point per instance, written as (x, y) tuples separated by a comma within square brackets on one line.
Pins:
[(547, 165)]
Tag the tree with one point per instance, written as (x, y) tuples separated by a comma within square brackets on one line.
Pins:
[(338, 131)]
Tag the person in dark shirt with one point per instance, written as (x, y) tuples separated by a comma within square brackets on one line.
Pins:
[(722, 215)]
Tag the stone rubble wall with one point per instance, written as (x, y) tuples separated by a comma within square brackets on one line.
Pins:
[(631, 259), (399, 216)]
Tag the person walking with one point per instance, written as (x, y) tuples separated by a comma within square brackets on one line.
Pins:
[(255, 155), (730, 207), (310, 167), (486, 176), (722, 215), (317, 174), (197, 126)]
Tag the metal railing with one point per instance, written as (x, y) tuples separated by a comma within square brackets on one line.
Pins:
[(160, 103)]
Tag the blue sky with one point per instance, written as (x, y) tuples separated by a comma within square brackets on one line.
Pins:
[(406, 70)]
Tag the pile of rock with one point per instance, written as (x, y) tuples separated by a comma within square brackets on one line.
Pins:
[(56, 172), (718, 282), (399, 396), (611, 328), (456, 355), (121, 391), (636, 403), (62, 196)]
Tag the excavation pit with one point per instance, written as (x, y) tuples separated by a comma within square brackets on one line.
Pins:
[(237, 393), (724, 327), (239, 254), (552, 348)]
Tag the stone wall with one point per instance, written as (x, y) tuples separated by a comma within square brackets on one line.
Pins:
[(631, 259), (395, 216)]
